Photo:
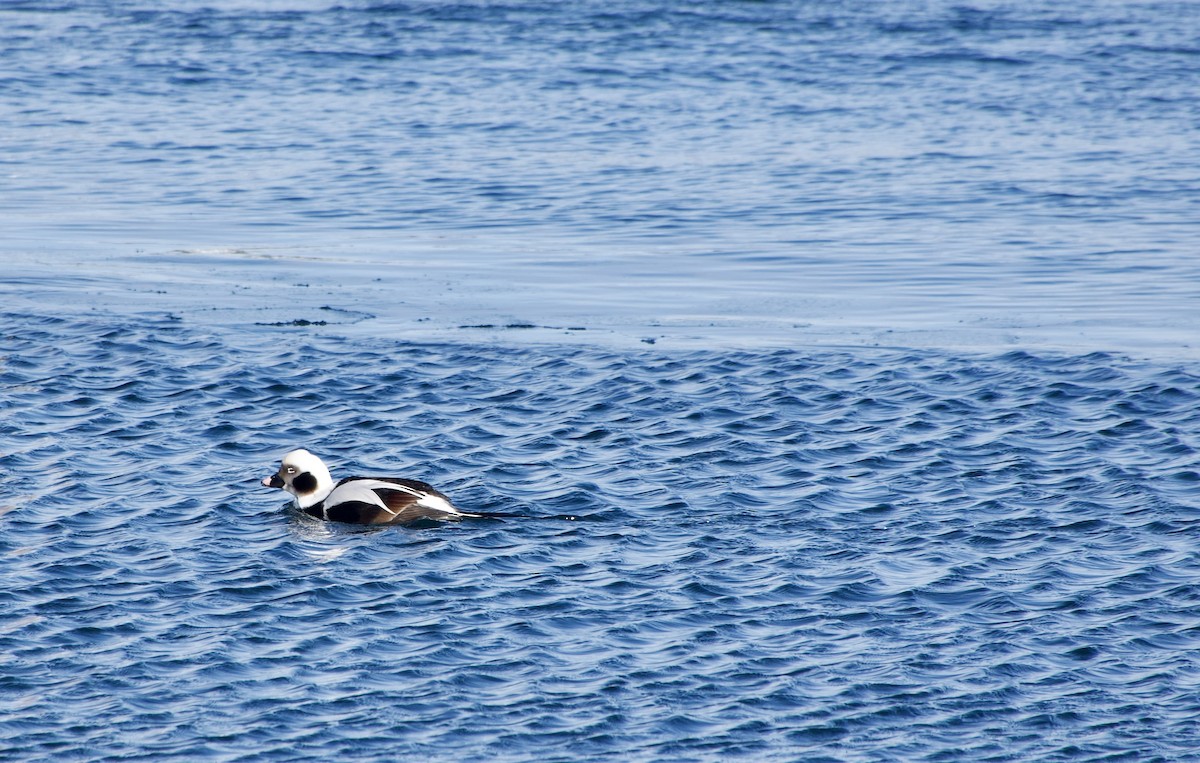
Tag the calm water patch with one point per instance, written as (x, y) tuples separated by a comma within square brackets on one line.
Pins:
[(916, 175)]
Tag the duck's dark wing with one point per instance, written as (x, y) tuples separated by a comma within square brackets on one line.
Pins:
[(434, 502), (413, 500)]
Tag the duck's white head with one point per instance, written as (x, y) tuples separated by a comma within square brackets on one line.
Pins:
[(303, 475)]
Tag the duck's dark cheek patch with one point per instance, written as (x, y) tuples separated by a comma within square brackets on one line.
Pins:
[(305, 483)]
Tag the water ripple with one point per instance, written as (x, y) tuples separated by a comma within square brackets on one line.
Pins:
[(770, 554)]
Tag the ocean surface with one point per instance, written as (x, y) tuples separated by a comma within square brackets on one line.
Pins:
[(841, 360)]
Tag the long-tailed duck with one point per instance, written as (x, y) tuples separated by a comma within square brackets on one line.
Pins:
[(360, 500)]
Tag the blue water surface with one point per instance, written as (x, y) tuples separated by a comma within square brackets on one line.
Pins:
[(839, 359)]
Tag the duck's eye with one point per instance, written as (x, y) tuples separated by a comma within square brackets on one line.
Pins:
[(291, 470)]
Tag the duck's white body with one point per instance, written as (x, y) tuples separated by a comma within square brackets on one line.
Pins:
[(359, 500)]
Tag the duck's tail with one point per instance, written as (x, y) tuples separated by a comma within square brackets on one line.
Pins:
[(490, 514)]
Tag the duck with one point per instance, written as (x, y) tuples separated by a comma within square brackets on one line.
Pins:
[(360, 500)]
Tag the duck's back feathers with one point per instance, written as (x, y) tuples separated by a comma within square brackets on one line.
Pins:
[(384, 500)]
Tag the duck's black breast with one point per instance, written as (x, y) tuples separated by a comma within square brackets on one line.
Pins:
[(351, 512), (356, 512)]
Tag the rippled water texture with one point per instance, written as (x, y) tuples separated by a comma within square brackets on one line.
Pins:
[(785, 555), (840, 359)]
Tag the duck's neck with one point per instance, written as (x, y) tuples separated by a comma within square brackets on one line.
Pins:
[(312, 499), (324, 488)]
